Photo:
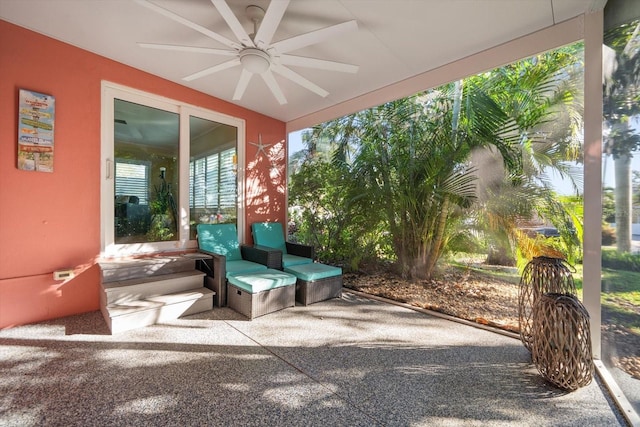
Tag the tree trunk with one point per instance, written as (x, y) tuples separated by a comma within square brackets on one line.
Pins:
[(622, 166), (438, 241)]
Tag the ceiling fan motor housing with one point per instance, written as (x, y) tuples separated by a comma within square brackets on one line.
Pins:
[(255, 60)]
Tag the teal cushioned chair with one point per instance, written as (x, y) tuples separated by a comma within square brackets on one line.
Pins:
[(220, 239), (271, 235), (228, 257)]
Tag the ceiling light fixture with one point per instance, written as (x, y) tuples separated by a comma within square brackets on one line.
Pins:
[(254, 60)]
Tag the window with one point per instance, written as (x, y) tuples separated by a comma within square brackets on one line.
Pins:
[(212, 182), (620, 284), (132, 179), (159, 158)]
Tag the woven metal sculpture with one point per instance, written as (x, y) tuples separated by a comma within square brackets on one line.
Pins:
[(561, 347), (541, 275)]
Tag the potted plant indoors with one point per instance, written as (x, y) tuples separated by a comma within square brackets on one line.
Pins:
[(163, 211)]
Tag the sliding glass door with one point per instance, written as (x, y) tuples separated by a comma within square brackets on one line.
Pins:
[(620, 284), (167, 167), (146, 173), (213, 170)]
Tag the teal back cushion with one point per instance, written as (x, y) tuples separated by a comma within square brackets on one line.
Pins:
[(220, 239), (269, 234)]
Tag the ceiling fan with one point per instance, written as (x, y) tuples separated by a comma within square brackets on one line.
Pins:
[(255, 52)]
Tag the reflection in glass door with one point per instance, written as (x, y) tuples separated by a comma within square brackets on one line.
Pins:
[(146, 172), (212, 173)]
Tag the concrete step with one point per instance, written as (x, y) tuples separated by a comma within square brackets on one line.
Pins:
[(134, 314), (142, 291), (132, 268), (118, 292)]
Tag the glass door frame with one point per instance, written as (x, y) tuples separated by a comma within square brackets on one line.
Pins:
[(109, 93)]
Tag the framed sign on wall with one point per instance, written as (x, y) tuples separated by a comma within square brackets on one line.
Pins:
[(36, 116)]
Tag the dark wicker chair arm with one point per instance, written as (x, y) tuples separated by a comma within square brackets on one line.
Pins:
[(214, 267), (301, 250), (270, 257), (216, 280)]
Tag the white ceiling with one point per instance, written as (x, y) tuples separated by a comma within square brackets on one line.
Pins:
[(395, 40)]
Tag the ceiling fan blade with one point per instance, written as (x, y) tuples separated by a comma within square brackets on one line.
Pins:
[(245, 76), (232, 22), (268, 78), (211, 70), (190, 24), (321, 64), (297, 78), (314, 37), (195, 49), (270, 22)]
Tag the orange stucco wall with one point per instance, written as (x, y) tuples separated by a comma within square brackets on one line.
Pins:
[(50, 221)]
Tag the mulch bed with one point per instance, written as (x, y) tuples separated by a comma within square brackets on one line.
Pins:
[(471, 295)]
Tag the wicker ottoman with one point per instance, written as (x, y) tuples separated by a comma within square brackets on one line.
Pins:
[(316, 282), (259, 293)]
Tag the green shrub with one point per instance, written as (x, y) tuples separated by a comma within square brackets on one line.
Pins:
[(621, 261), (343, 229)]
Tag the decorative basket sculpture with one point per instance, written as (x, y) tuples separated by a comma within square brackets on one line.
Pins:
[(541, 275), (561, 347)]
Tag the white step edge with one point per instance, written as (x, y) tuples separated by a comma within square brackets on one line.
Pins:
[(149, 287), (141, 269), (137, 314)]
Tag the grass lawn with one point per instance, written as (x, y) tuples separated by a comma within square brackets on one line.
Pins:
[(621, 298)]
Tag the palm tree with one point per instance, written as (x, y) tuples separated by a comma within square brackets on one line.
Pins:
[(543, 96), (410, 163), (412, 160)]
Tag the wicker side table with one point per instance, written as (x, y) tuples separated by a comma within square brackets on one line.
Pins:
[(561, 347), (541, 275)]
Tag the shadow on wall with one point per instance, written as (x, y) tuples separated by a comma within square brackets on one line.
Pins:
[(266, 183), (32, 299)]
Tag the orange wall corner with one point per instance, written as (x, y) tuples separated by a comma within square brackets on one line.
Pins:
[(34, 299)]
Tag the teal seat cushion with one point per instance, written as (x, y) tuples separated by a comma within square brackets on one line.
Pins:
[(220, 239), (261, 281), (269, 234), (242, 267), (291, 260), (315, 271)]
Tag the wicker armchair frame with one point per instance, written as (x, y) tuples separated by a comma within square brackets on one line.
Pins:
[(215, 268), (306, 251)]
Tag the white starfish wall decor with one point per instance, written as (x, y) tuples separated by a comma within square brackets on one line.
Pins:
[(261, 146)]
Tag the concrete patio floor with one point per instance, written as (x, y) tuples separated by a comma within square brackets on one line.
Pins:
[(345, 362)]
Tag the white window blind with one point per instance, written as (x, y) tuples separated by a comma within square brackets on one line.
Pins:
[(132, 179), (197, 183), (212, 181), (227, 193)]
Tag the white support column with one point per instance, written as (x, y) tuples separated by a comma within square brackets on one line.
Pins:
[(592, 282)]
